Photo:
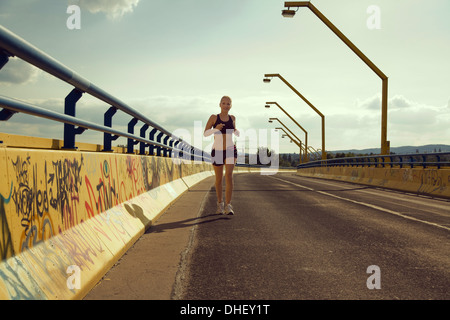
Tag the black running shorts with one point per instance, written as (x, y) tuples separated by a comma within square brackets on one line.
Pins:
[(219, 157)]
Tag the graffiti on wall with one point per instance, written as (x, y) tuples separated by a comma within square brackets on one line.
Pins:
[(53, 192), (6, 246), (44, 194), (35, 192)]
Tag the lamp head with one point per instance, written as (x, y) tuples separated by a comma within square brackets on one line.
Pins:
[(267, 106), (270, 121), (288, 13), (266, 80)]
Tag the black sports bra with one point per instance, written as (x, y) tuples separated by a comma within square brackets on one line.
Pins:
[(227, 125)]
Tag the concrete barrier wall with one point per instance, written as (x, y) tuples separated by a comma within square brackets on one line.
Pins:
[(426, 181), (67, 216)]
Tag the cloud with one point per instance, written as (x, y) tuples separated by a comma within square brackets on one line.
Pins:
[(372, 103), (17, 71), (410, 122), (399, 102), (114, 9), (396, 102)]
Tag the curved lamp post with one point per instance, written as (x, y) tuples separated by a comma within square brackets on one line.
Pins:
[(267, 79), (298, 143), (306, 133), (384, 104), (297, 138)]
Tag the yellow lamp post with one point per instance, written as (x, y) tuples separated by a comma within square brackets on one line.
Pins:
[(297, 142), (290, 117), (267, 78), (384, 104), (297, 138)]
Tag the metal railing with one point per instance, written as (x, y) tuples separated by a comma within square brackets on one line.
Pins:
[(166, 143), (422, 160)]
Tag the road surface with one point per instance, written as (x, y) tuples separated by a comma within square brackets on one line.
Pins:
[(292, 238), (304, 238)]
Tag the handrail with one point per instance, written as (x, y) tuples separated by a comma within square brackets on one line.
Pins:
[(13, 45), (24, 107), (17, 46), (412, 160)]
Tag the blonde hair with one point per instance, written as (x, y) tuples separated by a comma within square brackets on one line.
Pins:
[(227, 97)]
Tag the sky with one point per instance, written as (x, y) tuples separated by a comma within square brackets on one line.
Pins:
[(173, 61)]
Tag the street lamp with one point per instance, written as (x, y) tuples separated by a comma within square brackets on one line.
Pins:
[(384, 104), (298, 143), (271, 75), (288, 13), (306, 138), (306, 133)]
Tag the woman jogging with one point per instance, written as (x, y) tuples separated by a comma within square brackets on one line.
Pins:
[(223, 153)]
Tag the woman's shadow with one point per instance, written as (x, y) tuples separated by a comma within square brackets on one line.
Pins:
[(187, 223)]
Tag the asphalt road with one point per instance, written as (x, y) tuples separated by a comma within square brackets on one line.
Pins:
[(304, 238)]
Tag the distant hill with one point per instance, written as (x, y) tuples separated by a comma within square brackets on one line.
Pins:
[(401, 150), (429, 148)]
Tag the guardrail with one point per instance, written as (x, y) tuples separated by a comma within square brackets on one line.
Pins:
[(423, 160), (12, 45)]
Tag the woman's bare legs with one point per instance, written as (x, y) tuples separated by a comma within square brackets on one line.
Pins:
[(218, 170), (228, 182)]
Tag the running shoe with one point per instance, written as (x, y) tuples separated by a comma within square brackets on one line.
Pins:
[(220, 208), (229, 210)]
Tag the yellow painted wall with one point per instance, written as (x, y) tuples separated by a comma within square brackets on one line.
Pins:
[(85, 209), (427, 181)]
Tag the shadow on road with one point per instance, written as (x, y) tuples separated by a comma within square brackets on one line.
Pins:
[(186, 223)]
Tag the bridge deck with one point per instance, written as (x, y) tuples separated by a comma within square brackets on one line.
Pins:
[(291, 238)]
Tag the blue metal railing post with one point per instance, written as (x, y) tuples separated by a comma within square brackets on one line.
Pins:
[(70, 109), (175, 151), (170, 148), (165, 143), (130, 142), (158, 139), (152, 138), (143, 145), (198, 155), (180, 146), (6, 114), (4, 58), (107, 137)]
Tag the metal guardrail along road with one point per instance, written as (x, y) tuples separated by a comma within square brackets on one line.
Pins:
[(12, 45), (422, 160)]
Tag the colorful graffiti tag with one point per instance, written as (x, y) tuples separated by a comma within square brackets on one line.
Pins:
[(47, 196)]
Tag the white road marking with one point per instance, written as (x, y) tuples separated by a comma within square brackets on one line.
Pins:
[(366, 205)]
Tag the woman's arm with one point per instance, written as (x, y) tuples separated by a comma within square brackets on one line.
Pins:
[(236, 131), (209, 130)]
